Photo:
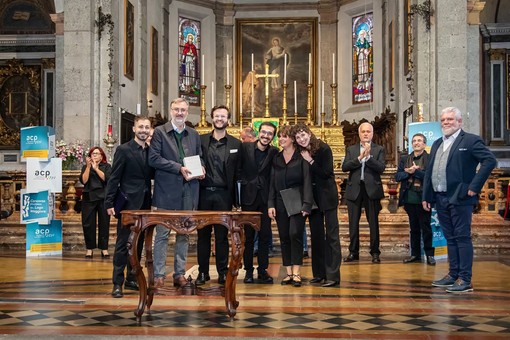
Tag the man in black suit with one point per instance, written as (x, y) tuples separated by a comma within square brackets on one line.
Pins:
[(217, 191), (131, 174), (257, 158), (365, 164), (459, 165)]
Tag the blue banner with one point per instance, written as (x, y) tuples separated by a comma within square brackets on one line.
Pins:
[(37, 142), (44, 239)]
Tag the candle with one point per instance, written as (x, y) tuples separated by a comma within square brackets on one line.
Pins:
[(138, 109), (322, 107), (252, 90), (228, 69), (285, 68), (309, 68), (212, 94), (252, 62), (203, 69), (110, 129), (295, 97), (240, 97), (333, 68)]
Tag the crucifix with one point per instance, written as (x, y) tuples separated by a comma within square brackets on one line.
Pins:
[(266, 77)]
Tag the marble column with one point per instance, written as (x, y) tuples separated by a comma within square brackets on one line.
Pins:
[(58, 19)]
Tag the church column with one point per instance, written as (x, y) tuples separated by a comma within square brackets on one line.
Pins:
[(225, 45), (58, 19), (328, 33)]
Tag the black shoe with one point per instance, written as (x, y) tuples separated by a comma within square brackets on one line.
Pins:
[(248, 279), (117, 291), (222, 278), (431, 261), (330, 283), (412, 259), (202, 279), (131, 285), (351, 257), (317, 280), (376, 259), (265, 278), (305, 254)]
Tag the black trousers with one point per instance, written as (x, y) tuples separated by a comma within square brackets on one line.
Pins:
[(372, 208), (89, 211), (419, 223), (218, 200), (121, 255), (290, 230), (326, 252), (264, 238)]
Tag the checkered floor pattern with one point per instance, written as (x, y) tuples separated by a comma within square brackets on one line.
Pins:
[(259, 320)]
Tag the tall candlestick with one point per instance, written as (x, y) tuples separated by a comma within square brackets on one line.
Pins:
[(138, 109), (285, 68), (212, 94), (228, 69), (252, 62), (309, 68), (240, 97), (295, 97), (333, 68), (252, 91), (203, 69), (322, 106)]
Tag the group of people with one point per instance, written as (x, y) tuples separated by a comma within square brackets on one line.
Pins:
[(289, 186)]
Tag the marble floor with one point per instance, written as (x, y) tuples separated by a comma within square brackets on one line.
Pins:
[(69, 296)]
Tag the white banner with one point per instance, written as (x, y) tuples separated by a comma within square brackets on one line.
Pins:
[(44, 175)]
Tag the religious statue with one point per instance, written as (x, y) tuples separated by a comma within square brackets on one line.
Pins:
[(189, 59), (275, 58)]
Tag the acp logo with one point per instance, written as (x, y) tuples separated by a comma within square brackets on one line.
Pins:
[(43, 173), (32, 138)]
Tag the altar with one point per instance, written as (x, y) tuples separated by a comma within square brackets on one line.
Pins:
[(185, 222)]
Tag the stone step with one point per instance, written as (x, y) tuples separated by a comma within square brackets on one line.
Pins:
[(491, 234)]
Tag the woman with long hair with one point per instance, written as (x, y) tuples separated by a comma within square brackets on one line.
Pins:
[(94, 176)]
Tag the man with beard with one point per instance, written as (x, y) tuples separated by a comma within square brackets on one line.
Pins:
[(452, 183), (217, 191), (174, 187), (130, 175), (255, 168)]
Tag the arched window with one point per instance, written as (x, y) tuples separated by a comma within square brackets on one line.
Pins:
[(189, 57), (362, 59)]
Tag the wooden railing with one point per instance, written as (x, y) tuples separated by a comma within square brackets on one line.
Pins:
[(492, 197)]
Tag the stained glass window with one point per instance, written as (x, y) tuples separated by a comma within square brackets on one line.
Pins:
[(362, 59), (189, 65)]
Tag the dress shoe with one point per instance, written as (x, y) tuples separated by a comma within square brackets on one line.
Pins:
[(446, 281), (222, 278), (460, 286), (305, 254), (317, 280), (159, 282), (265, 278), (412, 259), (131, 285), (89, 255), (287, 280), (202, 279), (431, 261), (117, 291), (105, 255), (179, 281), (351, 257), (376, 258), (248, 279), (330, 283), (296, 280)]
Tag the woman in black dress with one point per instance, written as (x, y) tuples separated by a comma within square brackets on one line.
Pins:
[(94, 175), (290, 171)]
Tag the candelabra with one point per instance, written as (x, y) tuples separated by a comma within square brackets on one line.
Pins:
[(323, 131), (309, 105), (109, 141), (284, 104), (227, 94), (334, 120), (203, 122)]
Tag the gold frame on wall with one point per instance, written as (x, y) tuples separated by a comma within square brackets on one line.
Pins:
[(129, 40), (154, 61), (298, 37)]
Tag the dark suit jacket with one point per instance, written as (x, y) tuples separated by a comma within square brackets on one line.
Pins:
[(164, 157), (233, 150), (374, 167), (403, 177), (253, 178), (325, 191), (467, 151), (132, 175)]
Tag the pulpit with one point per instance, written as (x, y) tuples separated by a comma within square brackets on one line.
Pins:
[(185, 222)]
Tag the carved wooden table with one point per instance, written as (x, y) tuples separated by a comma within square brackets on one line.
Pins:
[(185, 222)]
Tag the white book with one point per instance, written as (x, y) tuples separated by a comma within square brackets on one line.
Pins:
[(193, 164)]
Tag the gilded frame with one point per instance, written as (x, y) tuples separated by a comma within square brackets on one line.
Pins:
[(298, 37), (129, 40), (154, 61)]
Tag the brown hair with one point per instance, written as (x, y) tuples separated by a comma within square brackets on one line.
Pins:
[(103, 155), (314, 141)]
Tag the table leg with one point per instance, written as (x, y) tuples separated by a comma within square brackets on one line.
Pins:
[(237, 241), (149, 263), (137, 269)]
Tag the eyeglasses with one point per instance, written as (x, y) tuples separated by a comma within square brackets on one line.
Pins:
[(176, 109), (265, 132)]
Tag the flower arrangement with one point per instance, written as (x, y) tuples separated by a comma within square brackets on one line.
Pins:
[(73, 155)]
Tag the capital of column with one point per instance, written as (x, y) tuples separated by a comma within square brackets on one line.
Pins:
[(58, 20), (474, 7), (224, 14), (328, 10)]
